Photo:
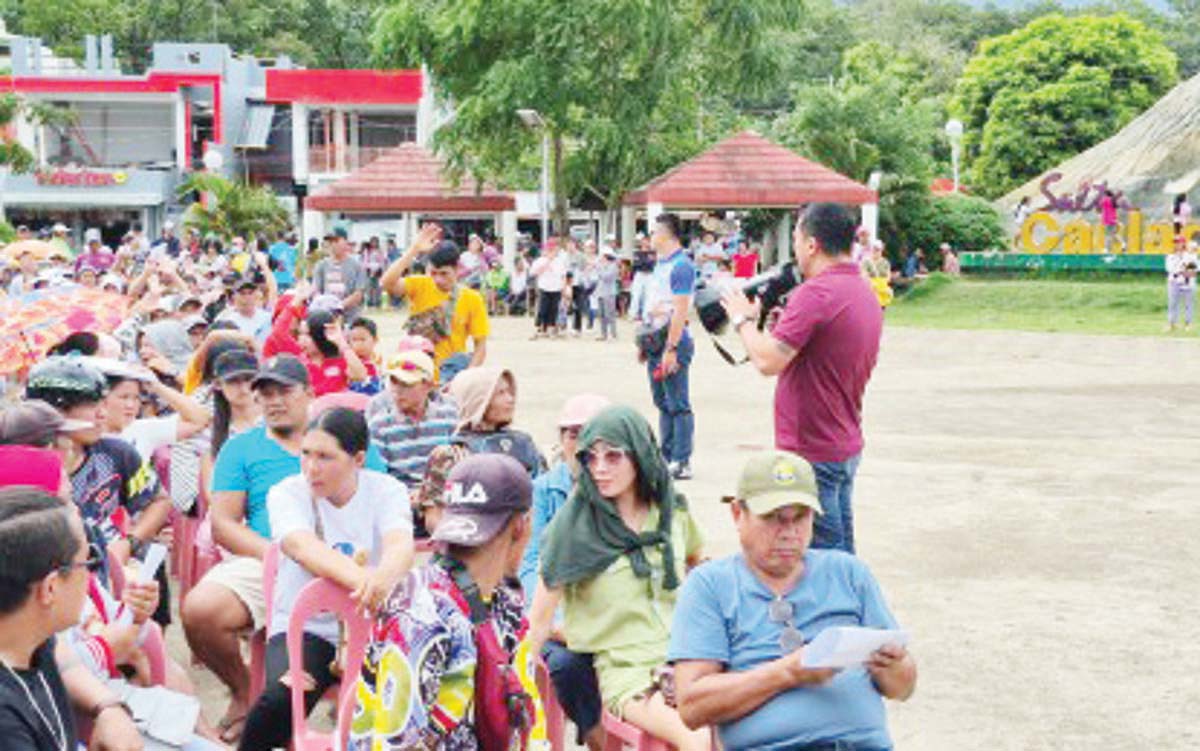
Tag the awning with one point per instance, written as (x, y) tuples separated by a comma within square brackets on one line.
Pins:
[(256, 128)]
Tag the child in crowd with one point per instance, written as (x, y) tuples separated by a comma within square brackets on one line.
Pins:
[(364, 340)]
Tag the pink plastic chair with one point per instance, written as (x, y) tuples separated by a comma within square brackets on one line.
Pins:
[(619, 735), (349, 399), (323, 596), (258, 640), (555, 717)]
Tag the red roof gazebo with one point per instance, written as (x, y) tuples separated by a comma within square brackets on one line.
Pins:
[(407, 179), (748, 171), (742, 172)]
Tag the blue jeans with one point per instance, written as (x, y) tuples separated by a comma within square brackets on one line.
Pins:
[(834, 528), (575, 685), (676, 424)]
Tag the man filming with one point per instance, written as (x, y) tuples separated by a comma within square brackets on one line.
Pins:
[(823, 349)]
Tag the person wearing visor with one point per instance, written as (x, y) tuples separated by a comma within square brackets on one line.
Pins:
[(742, 623)]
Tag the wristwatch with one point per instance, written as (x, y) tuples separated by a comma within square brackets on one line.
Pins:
[(109, 703)]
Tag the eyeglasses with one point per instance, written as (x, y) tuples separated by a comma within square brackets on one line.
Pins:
[(784, 612), (94, 563), (610, 457)]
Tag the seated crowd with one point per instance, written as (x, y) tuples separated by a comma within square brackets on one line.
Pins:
[(262, 436)]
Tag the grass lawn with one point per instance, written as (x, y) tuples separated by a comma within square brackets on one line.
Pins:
[(1122, 305)]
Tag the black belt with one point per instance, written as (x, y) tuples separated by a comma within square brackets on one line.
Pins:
[(834, 746)]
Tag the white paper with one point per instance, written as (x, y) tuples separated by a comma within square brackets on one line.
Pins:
[(848, 646), (155, 555)]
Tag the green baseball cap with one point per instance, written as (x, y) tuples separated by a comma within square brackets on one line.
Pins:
[(774, 479)]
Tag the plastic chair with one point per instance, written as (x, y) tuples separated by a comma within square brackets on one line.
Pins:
[(258, 640), (324, 596), (555, 717), (619, 735)]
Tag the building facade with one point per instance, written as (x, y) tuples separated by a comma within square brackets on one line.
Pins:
[(128, 141)]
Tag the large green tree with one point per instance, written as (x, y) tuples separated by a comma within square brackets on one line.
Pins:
[(625, 87), (1043, 93)]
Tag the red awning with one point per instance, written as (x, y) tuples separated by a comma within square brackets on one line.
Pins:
[(407, 178), (748, 171)]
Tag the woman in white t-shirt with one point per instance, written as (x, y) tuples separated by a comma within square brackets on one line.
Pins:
[(1181, 283), (123, 407), (550, 270), (336, 520)]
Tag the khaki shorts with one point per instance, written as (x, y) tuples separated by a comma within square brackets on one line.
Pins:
[(244, 577)]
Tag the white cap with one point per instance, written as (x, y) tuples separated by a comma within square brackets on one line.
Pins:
[(58, 228), (168, 225), (92, 235)]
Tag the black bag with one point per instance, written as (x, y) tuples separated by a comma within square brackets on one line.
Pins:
[(651, 340)]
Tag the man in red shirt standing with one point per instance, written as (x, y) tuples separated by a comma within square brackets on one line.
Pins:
[(823, 349), (745, 261)]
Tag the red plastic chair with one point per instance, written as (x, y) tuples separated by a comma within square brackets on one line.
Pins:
[(324, 596), (556, 719), (258, 640), (619, 735)]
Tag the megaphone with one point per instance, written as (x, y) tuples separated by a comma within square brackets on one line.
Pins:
[(771, 287)]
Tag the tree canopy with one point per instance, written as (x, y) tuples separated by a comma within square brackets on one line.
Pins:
[(1043, 93)]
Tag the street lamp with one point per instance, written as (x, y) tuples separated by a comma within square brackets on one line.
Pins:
[(954, 132), (533, 119), (213, 160)]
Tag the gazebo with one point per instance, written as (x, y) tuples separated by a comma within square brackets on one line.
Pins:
[(410, 181), (745, 171)]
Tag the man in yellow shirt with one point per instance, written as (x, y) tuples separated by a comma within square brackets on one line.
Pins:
[(440, 309)]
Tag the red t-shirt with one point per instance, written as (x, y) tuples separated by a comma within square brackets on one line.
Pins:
[(745, 265), (329, 376), (834, 323)]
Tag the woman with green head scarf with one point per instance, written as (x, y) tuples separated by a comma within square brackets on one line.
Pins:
[(613, 558)]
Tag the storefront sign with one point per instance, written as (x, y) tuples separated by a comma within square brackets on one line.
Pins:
[(80, 178), (1043, 232)]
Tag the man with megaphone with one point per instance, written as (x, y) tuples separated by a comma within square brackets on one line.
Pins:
[(823, 348)]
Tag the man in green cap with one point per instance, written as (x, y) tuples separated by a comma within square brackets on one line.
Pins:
[(742, 622)]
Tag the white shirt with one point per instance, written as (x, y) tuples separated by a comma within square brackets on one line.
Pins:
[(148, 434), (551, 274), (379, 506), (1176, 263)]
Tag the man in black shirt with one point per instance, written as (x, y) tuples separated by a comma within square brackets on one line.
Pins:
[(44, 565)]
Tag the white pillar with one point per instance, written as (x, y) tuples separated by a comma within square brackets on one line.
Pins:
[(508, 235), (870, 219), (355, 160), (628, 222), (339, 140), (652, 212), (784, 243), (181, 138), (300, 143)]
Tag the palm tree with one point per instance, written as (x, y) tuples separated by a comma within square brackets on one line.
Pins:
[(232, 207)]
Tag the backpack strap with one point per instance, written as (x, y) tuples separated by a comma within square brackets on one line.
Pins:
[(470, 590)]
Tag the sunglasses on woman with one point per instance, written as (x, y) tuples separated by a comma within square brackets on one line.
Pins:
[(609, 457)]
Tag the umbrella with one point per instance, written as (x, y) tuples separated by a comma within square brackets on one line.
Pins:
[(32, 323), (40, 249)]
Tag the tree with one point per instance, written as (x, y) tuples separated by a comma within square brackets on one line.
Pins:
[(1043, 93), (621, 84), (232, 207)]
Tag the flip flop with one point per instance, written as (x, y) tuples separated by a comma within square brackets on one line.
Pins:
[(231, 728)]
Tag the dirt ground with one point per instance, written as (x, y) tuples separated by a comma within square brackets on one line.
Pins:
[(1027, 501)]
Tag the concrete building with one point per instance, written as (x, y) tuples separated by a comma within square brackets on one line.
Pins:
[(134, 138)]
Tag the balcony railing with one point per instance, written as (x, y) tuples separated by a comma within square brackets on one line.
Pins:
[(325, 158)]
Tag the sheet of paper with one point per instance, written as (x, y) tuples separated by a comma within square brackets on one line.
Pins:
[(848, 646), (155, 555)]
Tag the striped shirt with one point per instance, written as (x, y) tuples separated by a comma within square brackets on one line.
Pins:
[(404, 443)]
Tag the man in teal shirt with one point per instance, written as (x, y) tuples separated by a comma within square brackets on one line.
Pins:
[(741, 624)]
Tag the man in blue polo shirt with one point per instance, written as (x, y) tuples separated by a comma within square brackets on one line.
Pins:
[(741, 624), (229, 600), (667, 346)]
